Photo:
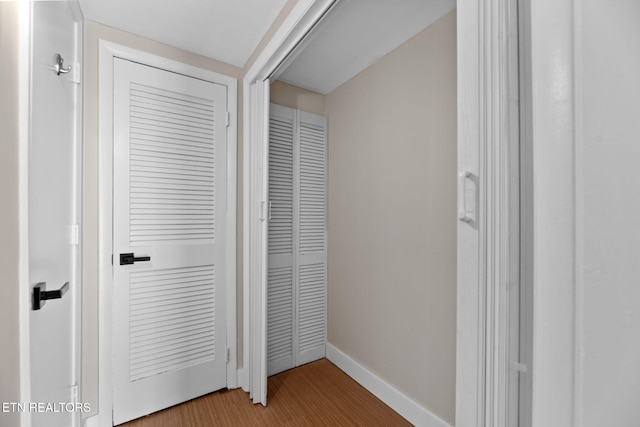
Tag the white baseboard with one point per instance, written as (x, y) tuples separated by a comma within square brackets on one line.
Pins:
[(410, 410)]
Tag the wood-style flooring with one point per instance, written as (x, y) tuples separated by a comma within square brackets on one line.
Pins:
[(316, 394)]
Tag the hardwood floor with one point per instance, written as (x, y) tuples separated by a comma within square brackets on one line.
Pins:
[(317, 394)]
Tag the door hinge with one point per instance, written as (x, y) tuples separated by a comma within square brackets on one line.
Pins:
[(228, 120), (76, 73), (74, 393), (520, 367), (74, 234), (228, 355)]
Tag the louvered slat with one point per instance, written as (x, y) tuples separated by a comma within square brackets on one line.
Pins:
[(312, 307), (280, 313), (171, 320), (312, 188), (172, 174), (281, 186)]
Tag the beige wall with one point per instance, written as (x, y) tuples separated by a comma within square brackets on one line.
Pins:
[(9, 219), (392, 220), (297, 98), (94, 32)]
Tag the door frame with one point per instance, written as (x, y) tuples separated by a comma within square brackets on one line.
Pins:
[(107, 52), (488, 124), (25, 40)]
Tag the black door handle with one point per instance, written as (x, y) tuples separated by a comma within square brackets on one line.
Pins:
[(40, 294), (130, 258)]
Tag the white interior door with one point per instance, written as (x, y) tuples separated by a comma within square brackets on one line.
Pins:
[(52, 213), (169, 321)]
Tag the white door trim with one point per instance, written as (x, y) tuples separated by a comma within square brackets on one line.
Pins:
[(23, 202), (107, 52), (558, 188)]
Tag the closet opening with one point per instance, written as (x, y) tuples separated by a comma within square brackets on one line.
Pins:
[(421, 210), (379, 207)]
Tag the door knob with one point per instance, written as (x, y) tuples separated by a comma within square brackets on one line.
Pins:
[(40, 294), (130, 258)]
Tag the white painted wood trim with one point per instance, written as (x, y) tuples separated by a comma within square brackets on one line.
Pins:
[(77, 196), (243, 380), (232, 236), (255, 115), (105, 233), (557, 340), (24, 82), (107, 52), (403, 405)]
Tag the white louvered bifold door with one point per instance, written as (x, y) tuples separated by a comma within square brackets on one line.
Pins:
[(169, 202), (280, 269), (297, 284), (312, 238)]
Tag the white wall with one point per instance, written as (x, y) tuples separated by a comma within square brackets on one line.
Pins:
[(586, 144), (392, 222), (9, 215)]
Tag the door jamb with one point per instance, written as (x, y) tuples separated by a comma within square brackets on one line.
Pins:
[(107, 52)]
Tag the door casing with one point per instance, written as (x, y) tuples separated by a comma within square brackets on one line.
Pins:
[(107, 52)]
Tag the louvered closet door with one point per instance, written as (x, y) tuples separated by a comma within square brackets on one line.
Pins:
[(312, 239), (297, 278), (169, 321), (280, 269)]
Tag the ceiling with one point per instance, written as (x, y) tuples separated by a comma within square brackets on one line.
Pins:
[(356, 34), (226, 30)]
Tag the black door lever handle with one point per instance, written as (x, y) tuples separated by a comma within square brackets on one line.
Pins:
[(40, 294), (130, 258)]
